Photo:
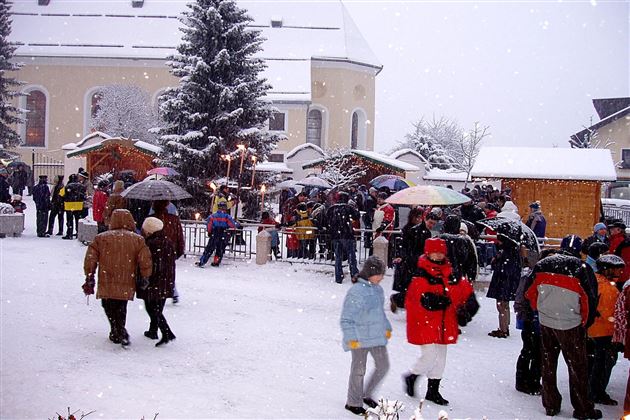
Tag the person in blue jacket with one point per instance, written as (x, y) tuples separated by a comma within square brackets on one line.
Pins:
[(365, 330), (218, 225)]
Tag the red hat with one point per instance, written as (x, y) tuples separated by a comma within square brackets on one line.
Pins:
[(434, 245)]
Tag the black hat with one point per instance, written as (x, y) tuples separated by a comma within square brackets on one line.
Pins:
[(383, 195), (43, 177), (616, 223), (596, 249)]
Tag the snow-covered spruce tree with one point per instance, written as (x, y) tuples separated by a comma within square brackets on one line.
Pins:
[(125, 111), (219, 102), (9, 114)]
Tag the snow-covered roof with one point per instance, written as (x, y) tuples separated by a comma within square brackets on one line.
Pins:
[(436, 174), (304, 146), (138, 144), (280, 167), (544, 163), (92, 138), (398, 153), (378, 157), (114, 29)]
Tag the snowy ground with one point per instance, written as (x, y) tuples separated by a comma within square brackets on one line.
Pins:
[(252, 342)]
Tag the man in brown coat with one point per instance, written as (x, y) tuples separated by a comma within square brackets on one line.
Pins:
[(118, 253), (114, 201)]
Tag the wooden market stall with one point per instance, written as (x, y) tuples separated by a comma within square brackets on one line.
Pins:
[(567, 182), (116, 155), (373, 163)]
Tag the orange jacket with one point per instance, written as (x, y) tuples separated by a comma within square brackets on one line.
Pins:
[(604, 325)]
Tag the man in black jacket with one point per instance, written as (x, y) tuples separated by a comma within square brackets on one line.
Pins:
[(340, 217), (56, 207), (41, 197)]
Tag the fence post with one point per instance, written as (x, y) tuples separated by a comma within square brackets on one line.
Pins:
[(381, 248), (263, 247)]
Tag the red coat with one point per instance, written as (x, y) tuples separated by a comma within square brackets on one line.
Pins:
[(615, 241), (98, 205), (434, 327)]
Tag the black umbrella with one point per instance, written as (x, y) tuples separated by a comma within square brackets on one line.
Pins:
[(152, 190), (514, 230)]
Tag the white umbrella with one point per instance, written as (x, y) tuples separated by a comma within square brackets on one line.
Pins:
[(289, 183), (313, 181)]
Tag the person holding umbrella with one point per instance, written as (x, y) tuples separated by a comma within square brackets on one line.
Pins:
[(506, 275)]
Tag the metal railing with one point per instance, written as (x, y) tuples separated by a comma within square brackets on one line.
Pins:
[(292, 245), (613, 212)]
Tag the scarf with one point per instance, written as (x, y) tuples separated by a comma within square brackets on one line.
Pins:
[(435, 272)]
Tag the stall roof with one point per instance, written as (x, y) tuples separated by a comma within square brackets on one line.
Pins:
[(544, 163), (436, 174), (140, 145), (280, 167), (374, 157)]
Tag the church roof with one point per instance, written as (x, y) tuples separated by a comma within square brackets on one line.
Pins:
[(302, 30)]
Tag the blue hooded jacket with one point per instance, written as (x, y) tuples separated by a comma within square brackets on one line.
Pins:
[(363, 317)]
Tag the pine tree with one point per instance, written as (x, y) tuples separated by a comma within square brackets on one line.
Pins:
[(125, 111), (9, 114), (218, 103)]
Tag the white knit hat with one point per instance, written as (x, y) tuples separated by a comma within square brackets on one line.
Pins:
[(152, 225), (463, 227)]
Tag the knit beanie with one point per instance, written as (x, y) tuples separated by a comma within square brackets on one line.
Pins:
[(463, 228), (373, 266), (599, 226), (452, 224), (596, 249), (435, 245), (152, 225)]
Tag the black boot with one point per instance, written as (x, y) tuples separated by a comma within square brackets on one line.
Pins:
[(165, 339), (151, 334), (433, 392), (359, 411), (410, 381)]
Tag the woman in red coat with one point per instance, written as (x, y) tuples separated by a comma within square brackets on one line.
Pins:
[(431, 303)]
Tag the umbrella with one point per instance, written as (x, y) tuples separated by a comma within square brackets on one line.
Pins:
[(393, 182), (313, 181), (428, 195), (515, 230), (163, 171), (153, 189), (285, 185)]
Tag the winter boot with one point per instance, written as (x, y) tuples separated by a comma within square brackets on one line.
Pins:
[(215, 262), (593, 414), (165, 339), (151, 334), (433, 392), (359, 411), (370, 402), (410, 381)]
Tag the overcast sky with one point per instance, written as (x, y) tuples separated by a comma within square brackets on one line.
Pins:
[(527, 69)]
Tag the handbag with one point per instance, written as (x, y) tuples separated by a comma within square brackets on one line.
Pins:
[(468, 310)]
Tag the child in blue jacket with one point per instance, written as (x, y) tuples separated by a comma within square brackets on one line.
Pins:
[(218, 225), (365, 330)]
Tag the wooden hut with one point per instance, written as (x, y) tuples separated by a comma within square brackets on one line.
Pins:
[(567, 182), (117, 154), (373, 163)]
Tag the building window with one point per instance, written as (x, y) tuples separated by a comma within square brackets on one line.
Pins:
[(354, 139), (276, 157), (314, 127), (35, 120), (625, 158), (277, 121)]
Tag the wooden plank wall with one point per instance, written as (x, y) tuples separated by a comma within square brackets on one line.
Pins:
[(570, 207)]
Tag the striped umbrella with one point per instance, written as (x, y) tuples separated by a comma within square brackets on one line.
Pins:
[(428, 195)]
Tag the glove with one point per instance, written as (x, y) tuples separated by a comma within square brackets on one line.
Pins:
[(88, 286), (434, 302), (388, 334), (142, 283), (354, 344)]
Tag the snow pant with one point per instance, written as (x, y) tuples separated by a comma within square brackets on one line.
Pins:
[(356, 391), (72, 221), (504, 315), (55, 212), (602, 357), (572, 343), (42, 222), (346, 246), (116, 311), (528, 372), (431, 362), (155, 308), (216, 244)]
